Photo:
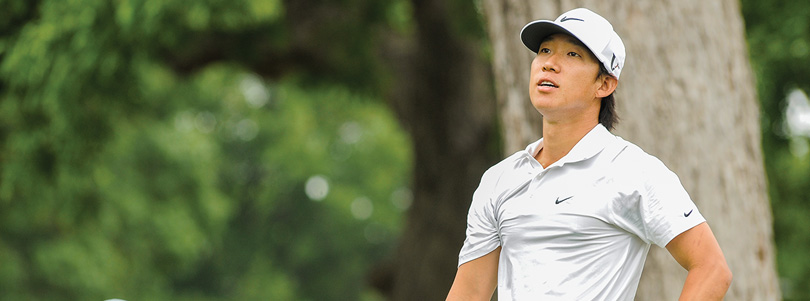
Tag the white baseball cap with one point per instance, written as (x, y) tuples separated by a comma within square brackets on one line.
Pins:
[(589, 28)]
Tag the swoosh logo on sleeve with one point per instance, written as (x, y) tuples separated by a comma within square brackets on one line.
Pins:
[(563, 200), (569, 19), (687, 214)]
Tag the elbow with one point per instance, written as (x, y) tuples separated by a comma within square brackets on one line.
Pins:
[(718, 279), (717, 275), (727, 276), (721, 275)]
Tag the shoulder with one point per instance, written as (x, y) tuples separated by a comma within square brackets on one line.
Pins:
[(648, 175), (640, 171), (503, 168), (637, 161), (491, 180), (501, 177)]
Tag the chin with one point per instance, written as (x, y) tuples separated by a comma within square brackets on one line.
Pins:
[(540, 108), (541, 104)]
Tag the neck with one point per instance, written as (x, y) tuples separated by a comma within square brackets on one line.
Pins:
[(560, 137)]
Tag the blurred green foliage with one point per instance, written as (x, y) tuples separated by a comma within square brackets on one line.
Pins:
[(232, 150), (129, 171), (778, 34)]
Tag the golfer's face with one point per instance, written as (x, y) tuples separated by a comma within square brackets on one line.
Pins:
[(563, 76)]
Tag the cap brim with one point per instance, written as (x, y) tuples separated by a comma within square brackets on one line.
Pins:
[(533, 33)]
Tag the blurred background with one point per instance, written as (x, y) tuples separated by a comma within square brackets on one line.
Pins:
[(258, 149)]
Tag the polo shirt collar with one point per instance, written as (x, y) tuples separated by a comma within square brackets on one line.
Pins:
[(587, 147)]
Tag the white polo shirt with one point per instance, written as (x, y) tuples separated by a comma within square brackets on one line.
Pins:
[(581, 228)]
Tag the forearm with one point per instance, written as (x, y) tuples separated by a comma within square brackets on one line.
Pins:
[(707, 283)]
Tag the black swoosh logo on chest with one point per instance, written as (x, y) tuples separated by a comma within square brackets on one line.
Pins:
[(563, 200)]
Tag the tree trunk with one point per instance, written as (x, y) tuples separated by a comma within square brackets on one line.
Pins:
[(444, 98), (686, 96)]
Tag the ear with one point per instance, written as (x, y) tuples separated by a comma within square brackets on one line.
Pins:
[(608, 85)]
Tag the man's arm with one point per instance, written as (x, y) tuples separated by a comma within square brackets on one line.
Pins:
[(476, 279), (699, 253)]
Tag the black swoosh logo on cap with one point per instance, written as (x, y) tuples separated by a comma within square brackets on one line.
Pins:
[(612, 65), (687, 214), (569, 19)]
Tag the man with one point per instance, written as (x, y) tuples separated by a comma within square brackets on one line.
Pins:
[(573, 216)]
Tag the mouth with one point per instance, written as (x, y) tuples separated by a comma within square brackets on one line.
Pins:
[(547, 83)]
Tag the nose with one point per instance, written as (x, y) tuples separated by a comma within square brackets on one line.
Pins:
[(551, 64)]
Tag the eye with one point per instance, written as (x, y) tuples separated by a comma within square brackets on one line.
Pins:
[(544, 50), (574, 54)]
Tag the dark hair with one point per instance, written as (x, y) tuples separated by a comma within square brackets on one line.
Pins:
[(607, 111)]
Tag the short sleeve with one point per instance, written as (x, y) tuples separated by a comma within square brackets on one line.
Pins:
[(658, 208), (482, 226)]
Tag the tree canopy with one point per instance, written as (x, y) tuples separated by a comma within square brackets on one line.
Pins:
[(166, 150)]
